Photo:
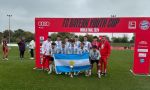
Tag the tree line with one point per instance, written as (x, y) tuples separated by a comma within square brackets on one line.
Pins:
[(16, 34), (123, 39)]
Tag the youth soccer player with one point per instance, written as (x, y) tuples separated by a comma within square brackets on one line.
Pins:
[(58, 43), (77, 42), (67, 42), (46, 54), (73, 49), (82, 50), (87, 44), (94, 58), (64, 49), (53, 50)]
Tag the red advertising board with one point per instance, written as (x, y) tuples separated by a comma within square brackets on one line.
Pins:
[(140, 26)]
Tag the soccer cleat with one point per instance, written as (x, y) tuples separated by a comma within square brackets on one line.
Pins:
[(6, 58), (76, 73), (31, 58), (71, 75), (102, 73), (59, 73), (34, 68)]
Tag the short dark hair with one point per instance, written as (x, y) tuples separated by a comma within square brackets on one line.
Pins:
[(53, 43), (86, 36), (72, 40), (63, 42), (95, 37), (94, 46), (58, 36)]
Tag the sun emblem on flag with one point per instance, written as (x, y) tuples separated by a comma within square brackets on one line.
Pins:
[(71, 63)]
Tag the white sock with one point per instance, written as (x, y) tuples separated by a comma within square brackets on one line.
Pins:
[(98, 72), (50, 67)]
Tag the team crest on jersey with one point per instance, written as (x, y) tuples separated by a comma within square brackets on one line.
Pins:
[(144, 25)]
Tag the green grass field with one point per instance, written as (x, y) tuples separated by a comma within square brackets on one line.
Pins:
[(122, 44), (19, 75)]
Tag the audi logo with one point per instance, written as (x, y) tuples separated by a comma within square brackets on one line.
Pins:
[(43, 23)]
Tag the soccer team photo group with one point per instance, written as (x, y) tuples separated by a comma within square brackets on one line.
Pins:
[(81, 54)]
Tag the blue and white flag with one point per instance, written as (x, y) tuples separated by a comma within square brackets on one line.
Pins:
[(63, 62)]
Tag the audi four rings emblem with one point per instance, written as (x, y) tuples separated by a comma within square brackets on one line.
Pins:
[(43, 23)]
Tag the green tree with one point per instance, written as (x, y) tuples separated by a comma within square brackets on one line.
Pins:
[(90, 37), (28, 36), (116, 40), (132, 40), (22, 33), (63, 35), (81, 38), (7, 32), (124, 39), (120, 39), (19, 33), (53, 36)]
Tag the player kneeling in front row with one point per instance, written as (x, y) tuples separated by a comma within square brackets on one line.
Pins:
[(52, 51), (94, 58)]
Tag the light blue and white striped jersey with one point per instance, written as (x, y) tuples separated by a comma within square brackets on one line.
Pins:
[(95, 55), (67, 44), (53, 51), (87, 45), (77, 44), (82, 50), (64, 50), (58, 46), (73, 50)]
